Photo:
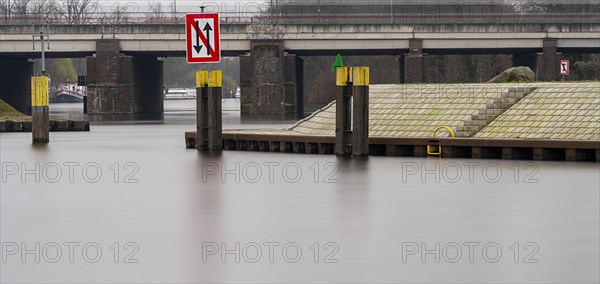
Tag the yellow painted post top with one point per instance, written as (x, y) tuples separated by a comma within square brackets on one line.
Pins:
[(39, 91), (341, 76), (210, 78), (215, 79), (360, 76), (201, 78)]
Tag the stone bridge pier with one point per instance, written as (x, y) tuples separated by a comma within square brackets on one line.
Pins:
[(15, 83), (271, 81), (121, 84), (544, 64), (413, 65)]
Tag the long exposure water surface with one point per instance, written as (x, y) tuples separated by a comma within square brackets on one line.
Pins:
[(127, 202)]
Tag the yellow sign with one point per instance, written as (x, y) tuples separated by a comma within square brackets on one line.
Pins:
[(39, 91)]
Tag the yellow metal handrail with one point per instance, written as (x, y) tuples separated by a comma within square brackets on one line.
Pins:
[(436, 150)]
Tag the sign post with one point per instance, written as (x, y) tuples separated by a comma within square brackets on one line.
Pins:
[(203, 45), (564, 69)]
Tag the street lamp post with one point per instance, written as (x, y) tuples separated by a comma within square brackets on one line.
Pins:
[(392, 11), (271, 9), (318, 11)]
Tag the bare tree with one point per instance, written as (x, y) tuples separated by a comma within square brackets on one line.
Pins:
[(5, 9), (156, 9), (41, 9), (75, 11), (526, 7), (122, 12), (173, 9), (13, 8), (20, 7), (589, 67)]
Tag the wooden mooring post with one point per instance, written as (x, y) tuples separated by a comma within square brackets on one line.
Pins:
[(352, 111), (40, 126), (209, 117)]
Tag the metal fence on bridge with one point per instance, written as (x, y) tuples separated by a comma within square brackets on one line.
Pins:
[(313, 14)]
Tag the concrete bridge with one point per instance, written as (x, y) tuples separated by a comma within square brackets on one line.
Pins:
[(125, 74)]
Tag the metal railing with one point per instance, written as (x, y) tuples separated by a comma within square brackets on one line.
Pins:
[(263, 17), (118, 18)]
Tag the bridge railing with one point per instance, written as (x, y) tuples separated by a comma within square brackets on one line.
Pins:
[(121, 18), (263, 17)]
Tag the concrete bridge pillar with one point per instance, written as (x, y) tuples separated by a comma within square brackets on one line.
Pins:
[(414, 68), (119, 84), (15, 83), (271, 80), (529, 60), (544, 64), (548, 64)]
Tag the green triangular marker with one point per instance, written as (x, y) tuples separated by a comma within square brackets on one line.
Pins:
[(337, 63)]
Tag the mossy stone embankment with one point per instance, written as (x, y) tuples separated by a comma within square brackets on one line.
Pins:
[(12, 120), (7, 112)]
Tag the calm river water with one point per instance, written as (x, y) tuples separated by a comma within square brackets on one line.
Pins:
[(127, 202)]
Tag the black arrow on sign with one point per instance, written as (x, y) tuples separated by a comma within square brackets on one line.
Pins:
[(208, 28), (198, 46)]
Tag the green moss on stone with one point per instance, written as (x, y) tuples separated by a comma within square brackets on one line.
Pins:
[(7, 112), (289, 108), (247, 108)]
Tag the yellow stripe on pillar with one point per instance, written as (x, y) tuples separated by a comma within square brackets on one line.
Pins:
[(215, 79), (39, 91), (201, 78)]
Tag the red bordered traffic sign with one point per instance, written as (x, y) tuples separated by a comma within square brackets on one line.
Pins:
[(564, 67), (203, 39)]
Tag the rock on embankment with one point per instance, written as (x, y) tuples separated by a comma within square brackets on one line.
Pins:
[(514, 74)]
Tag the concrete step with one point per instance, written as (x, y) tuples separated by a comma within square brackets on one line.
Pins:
[(463, 134), (496, 107), (504, 100), (493, 105), (495, 112), (486, 118), (475, 123), (471, 129), (519, 92)]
